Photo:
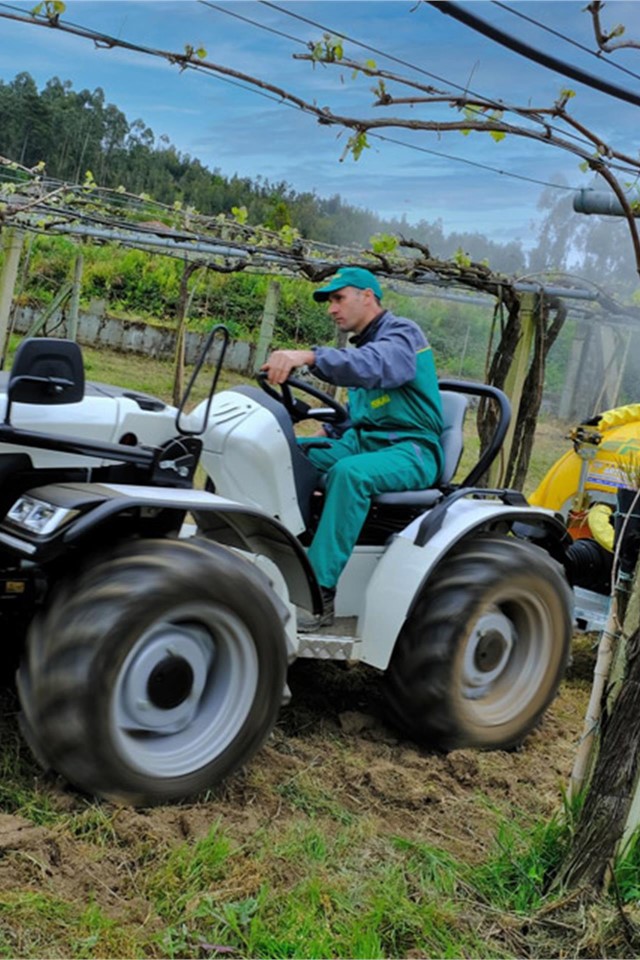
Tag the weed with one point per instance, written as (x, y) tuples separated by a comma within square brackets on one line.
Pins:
[(95, 824), (517, 874), (627, 873), (36, 925), (188, 872), (435, 868), (310, 798)]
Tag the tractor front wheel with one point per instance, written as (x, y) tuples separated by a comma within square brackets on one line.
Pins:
[(483, 651), (156, 675)]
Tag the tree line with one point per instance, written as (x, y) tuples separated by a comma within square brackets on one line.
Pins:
[(77, 130)]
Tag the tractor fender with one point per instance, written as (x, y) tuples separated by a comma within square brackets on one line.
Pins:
[(409, 561), (231, 524)]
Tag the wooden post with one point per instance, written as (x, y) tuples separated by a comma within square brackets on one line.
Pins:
[(75, 297), (271, 303), (514, 381), (11, 248)]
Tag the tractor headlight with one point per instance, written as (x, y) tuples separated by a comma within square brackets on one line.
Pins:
[(38, 516)]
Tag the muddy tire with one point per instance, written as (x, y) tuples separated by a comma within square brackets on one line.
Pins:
[(156, 675), (483, 652)]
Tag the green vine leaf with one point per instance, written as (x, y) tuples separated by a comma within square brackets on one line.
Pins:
[(461, 258), (327, 50), (356, 144), (288, 234), (380, 90), (240, 214), (50, 8), (383, 243)]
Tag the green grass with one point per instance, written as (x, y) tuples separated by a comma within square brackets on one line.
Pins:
[(37, 925), (627, 873), (517, 874), (317, 892)]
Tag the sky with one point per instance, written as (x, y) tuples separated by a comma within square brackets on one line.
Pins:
[(237, 131)]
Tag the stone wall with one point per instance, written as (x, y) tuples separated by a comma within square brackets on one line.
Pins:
[(97, 328)]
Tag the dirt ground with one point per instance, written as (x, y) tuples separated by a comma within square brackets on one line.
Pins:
[(332, 741)]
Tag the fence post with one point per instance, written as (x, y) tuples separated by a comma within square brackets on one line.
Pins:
[(514, 381), (184, 302), (11, 248), (271, 303), (75, 297)]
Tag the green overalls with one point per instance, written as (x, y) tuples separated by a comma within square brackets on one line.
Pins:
[(393, 442)]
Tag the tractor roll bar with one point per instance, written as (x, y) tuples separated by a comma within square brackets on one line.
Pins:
[(504, 419)]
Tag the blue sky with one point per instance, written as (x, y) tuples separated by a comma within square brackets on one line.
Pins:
[(237, 131)]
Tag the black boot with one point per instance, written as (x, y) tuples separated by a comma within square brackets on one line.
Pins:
[(311, 622)]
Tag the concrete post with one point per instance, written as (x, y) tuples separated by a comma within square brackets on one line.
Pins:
[(184, 302), (611, 357), (567, 407), (271, 303), (75, 297), (11, 249)]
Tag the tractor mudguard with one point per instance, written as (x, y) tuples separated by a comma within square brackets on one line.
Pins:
[(409, 561), (87, 507)]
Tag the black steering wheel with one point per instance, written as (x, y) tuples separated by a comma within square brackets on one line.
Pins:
[(332, 412)]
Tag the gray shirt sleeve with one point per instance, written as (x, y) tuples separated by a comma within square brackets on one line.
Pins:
[(387, 362)]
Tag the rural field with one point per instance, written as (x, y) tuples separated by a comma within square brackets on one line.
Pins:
[(340, 839)]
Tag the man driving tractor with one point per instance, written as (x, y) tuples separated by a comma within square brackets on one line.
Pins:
[(392, 442)]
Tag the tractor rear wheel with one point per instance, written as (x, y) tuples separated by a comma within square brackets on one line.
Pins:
[(484, 649), (156, 675)]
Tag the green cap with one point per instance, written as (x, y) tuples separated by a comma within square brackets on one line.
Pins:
[(349, 277)]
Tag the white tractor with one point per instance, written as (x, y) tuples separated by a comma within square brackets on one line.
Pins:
[(155, 622)]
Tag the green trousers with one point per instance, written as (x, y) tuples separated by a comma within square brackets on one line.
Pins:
[(359, 466)]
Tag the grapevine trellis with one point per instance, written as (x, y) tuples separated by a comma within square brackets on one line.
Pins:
[(528, 317)]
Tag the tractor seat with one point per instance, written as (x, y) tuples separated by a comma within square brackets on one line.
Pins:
[(454, 408)]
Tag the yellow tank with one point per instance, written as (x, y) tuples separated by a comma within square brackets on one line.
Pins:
[(606, 456)]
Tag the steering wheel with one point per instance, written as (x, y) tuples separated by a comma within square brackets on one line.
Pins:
[(297, 409)]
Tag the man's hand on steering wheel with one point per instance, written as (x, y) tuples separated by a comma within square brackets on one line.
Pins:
[(282, 362), (298, 409)]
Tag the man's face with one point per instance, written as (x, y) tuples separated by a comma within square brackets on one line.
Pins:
[(352, 309)]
